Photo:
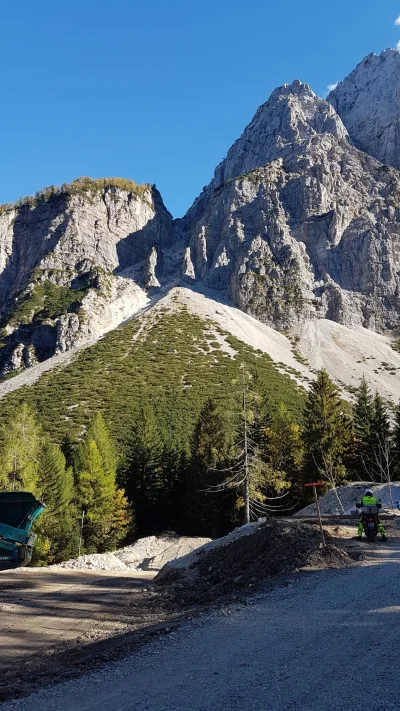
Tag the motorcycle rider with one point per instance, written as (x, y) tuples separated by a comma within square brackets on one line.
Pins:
[(370, 500)]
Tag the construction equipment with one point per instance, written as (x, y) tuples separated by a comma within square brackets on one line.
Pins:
[(18, 511)]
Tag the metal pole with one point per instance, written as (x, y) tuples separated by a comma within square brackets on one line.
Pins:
[(80, 537), (319, 516), (15, 470)]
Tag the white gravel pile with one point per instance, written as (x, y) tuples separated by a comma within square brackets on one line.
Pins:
[(342, 500), (153, 552), (94, 561), (150, 553)]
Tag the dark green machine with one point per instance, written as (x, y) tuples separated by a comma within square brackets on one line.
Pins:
[(18, 511)]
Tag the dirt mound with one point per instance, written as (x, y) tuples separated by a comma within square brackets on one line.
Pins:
[(239, 561), (329, 557), (342, 500), (150, 553)]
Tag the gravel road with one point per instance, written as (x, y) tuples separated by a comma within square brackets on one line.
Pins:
[(327, 640)]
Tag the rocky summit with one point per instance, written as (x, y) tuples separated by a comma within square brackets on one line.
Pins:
[(297, 223), (300, 222), (368, 103)]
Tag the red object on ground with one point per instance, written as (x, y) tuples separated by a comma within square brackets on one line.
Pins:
[(317, 483)]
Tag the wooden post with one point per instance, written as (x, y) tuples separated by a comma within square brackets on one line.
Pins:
[(314, 486)]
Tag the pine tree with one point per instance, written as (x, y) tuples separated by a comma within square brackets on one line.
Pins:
[(205, 512), (144, 471), (98, 432), (174, 462), (285, 449), (69, 447), (19, 457), (251, 477), (363, 412), (382, 454), (105, 505), (363, 415), (121, 519), (327, 432), (261, 422), (57, 527), (95, 497)]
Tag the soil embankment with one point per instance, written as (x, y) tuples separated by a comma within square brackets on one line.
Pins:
[(248, 556)]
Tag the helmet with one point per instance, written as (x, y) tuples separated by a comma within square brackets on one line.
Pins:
[(368, 492)]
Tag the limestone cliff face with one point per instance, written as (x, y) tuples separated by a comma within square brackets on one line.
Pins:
[(368, 102), (110, 226), (67, 256), (298, 223)]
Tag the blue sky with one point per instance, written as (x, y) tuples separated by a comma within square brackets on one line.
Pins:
[(158, 91)]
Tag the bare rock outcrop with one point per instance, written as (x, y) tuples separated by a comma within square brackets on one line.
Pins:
[(150, 268), (60, 256), (367, 101), (298, 223)]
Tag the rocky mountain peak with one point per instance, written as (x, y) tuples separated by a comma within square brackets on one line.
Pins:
[(297, 223), (368, 101), (292, 114)]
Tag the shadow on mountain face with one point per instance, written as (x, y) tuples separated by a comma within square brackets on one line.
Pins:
[(158, 232), (31, 241)]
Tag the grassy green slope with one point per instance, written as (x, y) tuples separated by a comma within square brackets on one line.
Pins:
[(170, 357)]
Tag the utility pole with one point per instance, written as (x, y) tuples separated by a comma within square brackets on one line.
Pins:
[(81, 534), (15, 470), (246, 455)]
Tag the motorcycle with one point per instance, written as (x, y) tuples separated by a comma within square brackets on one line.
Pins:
[(370, 518)]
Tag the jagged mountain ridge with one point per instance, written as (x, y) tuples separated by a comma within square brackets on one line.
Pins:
[(296, 224), (302, 225), (367, 101)]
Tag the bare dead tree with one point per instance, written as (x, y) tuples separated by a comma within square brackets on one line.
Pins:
[(381, 464), (329, 473)]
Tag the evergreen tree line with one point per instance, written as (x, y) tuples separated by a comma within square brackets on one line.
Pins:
[(195, 487), (69, 480)]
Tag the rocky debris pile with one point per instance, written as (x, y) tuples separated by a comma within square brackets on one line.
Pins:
[(247, 556), (343, 499), (148, 554)]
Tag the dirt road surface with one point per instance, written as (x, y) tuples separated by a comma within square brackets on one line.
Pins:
[(317, 642), (40, 608)]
